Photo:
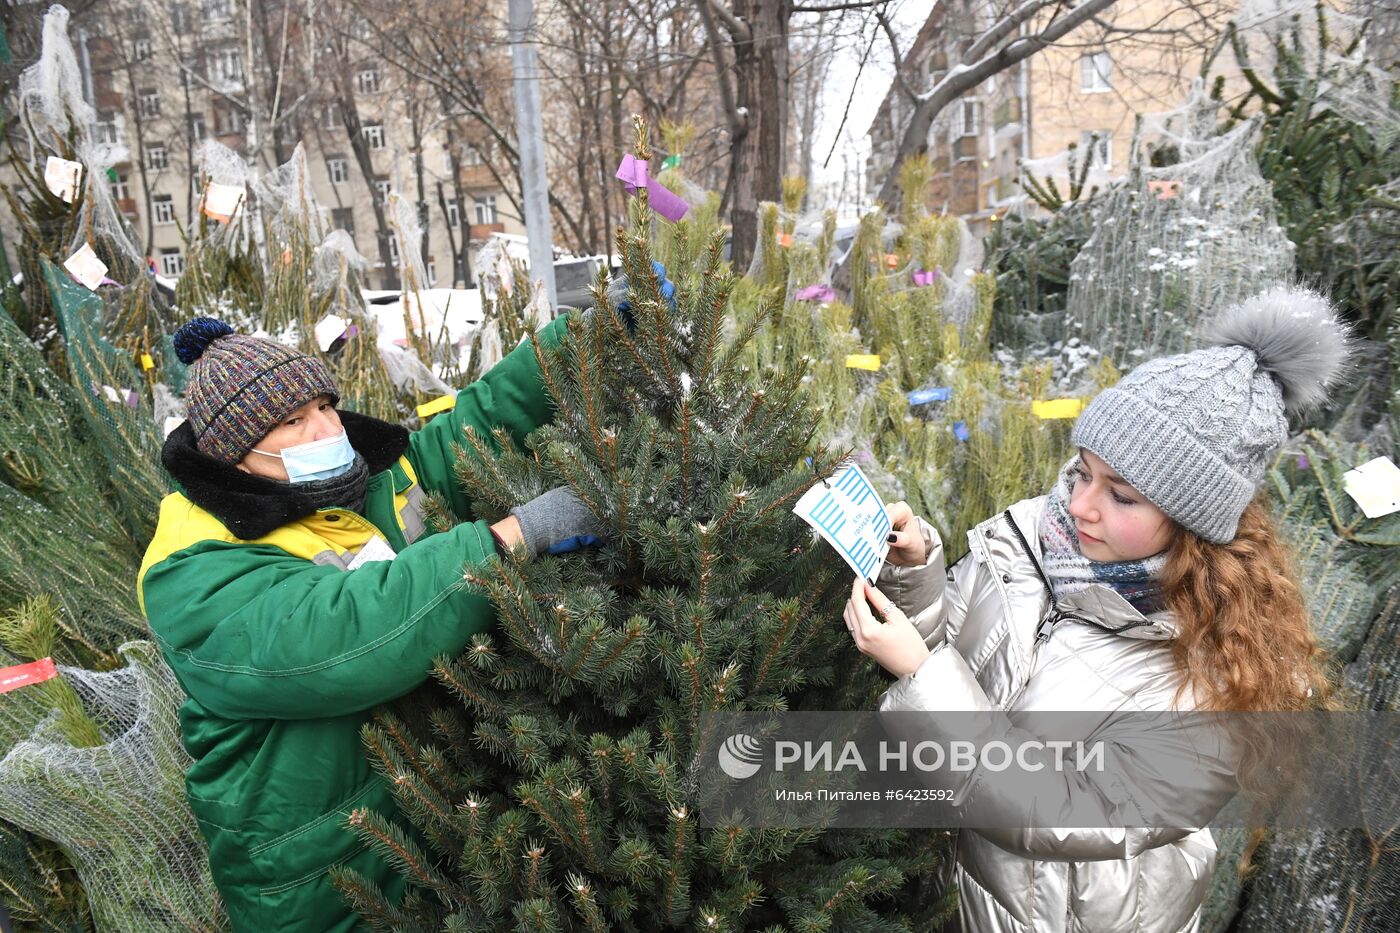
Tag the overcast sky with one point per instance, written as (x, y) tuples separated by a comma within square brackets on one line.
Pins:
[(870, 83)]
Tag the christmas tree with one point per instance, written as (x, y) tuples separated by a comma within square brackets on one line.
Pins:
[(553, 793)]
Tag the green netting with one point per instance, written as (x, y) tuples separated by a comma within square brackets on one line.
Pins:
[(115, 400)]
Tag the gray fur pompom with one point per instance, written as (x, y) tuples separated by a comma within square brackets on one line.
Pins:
[(1297, 338)]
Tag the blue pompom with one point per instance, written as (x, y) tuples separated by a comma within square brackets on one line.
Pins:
[(192, 337)]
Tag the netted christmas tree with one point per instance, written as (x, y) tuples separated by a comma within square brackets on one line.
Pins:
[(1191, 230), (557, 792)]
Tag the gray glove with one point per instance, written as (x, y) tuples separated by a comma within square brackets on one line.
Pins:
[(557, 523)]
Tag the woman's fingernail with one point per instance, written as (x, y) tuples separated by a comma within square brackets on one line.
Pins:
[(893, 538)]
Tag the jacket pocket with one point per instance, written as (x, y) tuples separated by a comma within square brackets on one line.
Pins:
[(303, 855)]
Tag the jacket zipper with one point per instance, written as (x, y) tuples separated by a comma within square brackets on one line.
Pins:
[(1047, 624)]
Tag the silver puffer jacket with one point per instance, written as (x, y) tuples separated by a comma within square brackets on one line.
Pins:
[(1000, 643)]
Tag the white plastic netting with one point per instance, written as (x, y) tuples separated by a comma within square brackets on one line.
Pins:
[(335, 269), (220, 165), (1191, 230), (288, 201), (1323, 45), (117, 809), (52, 108)]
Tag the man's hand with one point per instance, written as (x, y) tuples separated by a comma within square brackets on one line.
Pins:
[(619, 294), (907, 545), (507, 531), (894, 643), (556, 523)]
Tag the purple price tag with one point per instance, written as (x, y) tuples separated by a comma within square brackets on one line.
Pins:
[(634, 174), (816, 293), (961, 432)]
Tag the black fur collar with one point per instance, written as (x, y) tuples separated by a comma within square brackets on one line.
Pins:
[(252, 506)]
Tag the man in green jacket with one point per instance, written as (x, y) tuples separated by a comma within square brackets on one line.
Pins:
[(293, 584)]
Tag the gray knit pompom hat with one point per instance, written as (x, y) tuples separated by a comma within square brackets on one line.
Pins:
[(1195, 432)]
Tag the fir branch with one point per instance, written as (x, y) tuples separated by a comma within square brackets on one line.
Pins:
[(368, 900), (402, 852)]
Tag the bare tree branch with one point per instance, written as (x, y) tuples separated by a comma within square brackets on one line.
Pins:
[(738, 29), (967, 76)]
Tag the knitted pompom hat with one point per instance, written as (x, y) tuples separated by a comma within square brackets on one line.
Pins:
[(1195, 432), (242, 387)]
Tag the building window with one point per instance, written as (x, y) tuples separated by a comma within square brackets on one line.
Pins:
[(969, 117), (105, 129), (226, 65), (339, 169), (381, 189), (330, 116), (471, 156), (228, 120), (197, 129), (454, 214), (374, 135), (163, 209), (141, 50), (121, 190), (157, 158), (360, 29), (180, 18), (216, 11), (394, 250), (149, 102), (172, 262), (485, 209), (367, 80), (343, 218), (1102, 146), (432, 272), (1095, 73)]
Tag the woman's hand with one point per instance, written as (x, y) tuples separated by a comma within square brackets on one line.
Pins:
[(894, 643), (907, 545)]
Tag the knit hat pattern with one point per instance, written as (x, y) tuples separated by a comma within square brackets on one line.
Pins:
[(1195, 432), (242, 387)]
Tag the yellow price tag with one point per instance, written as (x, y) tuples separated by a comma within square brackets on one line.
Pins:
[(1058, 408), (445, 403), (868, 361), (147, 362)]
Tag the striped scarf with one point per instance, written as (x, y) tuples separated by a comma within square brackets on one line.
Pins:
[(1070, 571)]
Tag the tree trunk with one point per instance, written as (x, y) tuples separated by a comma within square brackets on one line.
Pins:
[(761, 79)]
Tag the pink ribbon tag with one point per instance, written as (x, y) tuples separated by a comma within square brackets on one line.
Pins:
[(22, 675), (925, 278), (634, 174), (816, 293)]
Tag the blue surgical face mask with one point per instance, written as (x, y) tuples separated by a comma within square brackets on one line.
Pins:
[(315, 460)]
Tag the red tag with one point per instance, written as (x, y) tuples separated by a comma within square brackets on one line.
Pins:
[(22, 675)]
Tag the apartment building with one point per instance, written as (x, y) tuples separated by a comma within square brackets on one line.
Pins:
[(165, 77), (1086, 90)]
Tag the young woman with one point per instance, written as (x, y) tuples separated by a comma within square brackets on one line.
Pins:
[(1150, 578)]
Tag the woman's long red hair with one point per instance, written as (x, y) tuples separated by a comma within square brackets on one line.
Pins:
[(1245, 641), (1245, 644)]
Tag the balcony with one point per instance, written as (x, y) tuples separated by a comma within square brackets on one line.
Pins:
[(482, 231), (127, 206), (964, 148), (1008, 111), (477, 176)]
